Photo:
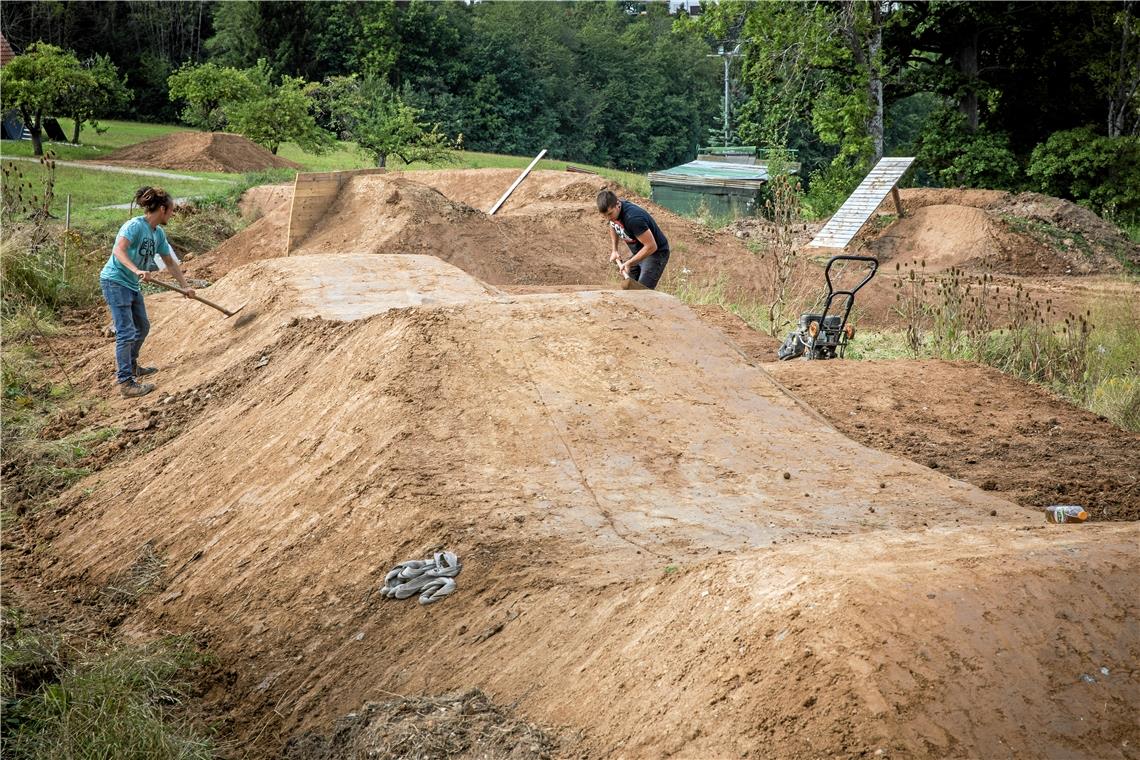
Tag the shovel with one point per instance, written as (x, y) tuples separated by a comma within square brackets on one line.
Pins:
[(197, 297), (628, 283)]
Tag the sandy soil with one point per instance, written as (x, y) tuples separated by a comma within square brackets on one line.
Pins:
[(645, 517), (198, 152), (976, 424), (650, 514)]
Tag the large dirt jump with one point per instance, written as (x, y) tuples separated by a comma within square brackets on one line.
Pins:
[(546, 237), (665, 552)]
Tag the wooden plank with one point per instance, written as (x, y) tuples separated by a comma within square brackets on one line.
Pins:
[(515, 184), (865, 201)]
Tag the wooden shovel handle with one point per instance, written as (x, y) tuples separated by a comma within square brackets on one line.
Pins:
[(196, 297)]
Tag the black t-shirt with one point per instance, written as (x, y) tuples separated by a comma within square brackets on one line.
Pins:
[(632, 221)]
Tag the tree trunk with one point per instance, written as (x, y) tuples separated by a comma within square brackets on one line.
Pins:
[(876, 80), (33, 125), (1127, 82), (75, 132), (968, 67), (382, 158)]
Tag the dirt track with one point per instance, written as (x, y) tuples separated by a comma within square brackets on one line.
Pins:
[(665, 553)]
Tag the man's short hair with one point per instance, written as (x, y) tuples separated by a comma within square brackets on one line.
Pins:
[(606, 200)]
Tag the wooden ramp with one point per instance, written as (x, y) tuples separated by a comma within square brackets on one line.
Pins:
[(857, 209)]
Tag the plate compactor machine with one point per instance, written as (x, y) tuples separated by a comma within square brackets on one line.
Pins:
[(825, 336)]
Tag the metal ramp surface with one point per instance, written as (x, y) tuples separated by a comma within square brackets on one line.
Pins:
[(857, 209)]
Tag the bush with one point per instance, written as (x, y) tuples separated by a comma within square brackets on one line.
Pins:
[(830, 186), (49, 268), (956, 157), (1100, 172)]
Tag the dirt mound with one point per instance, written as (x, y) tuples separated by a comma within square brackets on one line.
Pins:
[(644, 518), (550, 236), (986, 428), (1081, 234), (914, 198), (481, 188), (199, 152), (1027, 234), (258, 201)]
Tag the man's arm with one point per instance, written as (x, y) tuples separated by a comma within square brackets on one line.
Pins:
[(172, 265), (120, 253), (648, 248), (615, 253)]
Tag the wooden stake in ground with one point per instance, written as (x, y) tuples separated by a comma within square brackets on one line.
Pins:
[(515, 184)]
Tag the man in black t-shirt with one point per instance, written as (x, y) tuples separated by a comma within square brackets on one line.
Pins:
[(634, 226)]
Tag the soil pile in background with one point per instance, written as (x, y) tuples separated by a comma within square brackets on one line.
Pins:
[(198, 152), (548, 235), (1025, 234), (976, 424), (258, 201)]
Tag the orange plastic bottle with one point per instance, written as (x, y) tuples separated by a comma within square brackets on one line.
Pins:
[(1065, 513)]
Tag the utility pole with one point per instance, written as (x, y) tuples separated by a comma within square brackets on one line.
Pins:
[(726, 56)]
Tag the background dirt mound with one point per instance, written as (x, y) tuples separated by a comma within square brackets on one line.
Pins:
[(914, 198), (965, 237), (1077, 231), (555, 239), (1027, 234), (985, 427), (200, 152), (258, 201), (481, 188)]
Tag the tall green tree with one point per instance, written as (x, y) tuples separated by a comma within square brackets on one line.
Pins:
[(39, 84), (278, 113), (110, 94), (372, 114), (207, 89)]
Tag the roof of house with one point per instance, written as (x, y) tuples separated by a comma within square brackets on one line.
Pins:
[(6, 51)]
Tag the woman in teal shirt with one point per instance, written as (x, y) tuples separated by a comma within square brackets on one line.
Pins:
[(132, 260)]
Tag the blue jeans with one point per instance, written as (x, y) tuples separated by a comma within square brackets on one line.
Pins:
[(131, 326), (650, 269)]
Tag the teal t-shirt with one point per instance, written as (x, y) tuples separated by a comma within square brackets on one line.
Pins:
[(144, 245)]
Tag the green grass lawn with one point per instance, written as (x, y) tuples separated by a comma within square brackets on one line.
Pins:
[(90, 189), (92, 144)]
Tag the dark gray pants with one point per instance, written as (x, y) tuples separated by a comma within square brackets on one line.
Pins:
[(649, 271)]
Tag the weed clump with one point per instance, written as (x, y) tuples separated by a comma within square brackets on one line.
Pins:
[(115, 701)]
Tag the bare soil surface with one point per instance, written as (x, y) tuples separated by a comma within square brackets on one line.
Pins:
[(547, 235), (978, 425), (667, 550), (645, 519), (258, 201), (198, 152)]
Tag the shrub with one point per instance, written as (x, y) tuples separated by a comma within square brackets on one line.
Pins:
[(1100, 172), (954, 156)]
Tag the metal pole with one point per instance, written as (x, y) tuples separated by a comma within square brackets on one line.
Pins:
[(726, 101), (67, 214)]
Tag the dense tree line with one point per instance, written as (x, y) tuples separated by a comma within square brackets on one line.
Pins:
[(1014, 94), (605, 83), (1007, 94)]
